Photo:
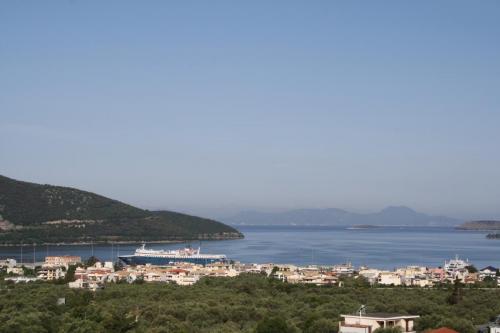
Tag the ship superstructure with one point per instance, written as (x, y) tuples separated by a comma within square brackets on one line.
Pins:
[(456, 265)]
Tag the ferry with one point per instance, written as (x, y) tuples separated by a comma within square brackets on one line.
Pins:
[(143, 256), (455, 265)]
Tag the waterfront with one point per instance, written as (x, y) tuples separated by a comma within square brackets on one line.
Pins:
[(380, 247)]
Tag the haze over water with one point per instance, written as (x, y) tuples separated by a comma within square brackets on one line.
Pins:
[(381, 247)]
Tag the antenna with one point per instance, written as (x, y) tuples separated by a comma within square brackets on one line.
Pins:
[(21, 252), (92, 247), (112, 259), (361, 311)]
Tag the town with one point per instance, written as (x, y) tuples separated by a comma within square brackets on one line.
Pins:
[(95, 275)]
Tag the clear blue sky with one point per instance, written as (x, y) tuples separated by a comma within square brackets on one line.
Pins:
[(212, 106)]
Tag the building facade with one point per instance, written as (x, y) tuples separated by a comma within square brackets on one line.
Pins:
[(368, 323)]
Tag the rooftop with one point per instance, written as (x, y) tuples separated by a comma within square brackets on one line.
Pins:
[(382, 315), (490, 268)]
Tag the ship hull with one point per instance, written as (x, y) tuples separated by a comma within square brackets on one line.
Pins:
[(164, 261)]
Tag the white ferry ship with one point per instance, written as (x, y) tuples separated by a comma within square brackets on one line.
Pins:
[(144, 256), (455, 265)]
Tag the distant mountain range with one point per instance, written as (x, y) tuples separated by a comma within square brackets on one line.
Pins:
[(390, 216), (35, 213)]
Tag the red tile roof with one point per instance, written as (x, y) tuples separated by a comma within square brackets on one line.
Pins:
[(443, 330)]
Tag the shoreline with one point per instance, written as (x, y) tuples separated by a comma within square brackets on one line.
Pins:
[(122, 242)]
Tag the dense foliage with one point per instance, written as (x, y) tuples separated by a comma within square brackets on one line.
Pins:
[(248, 303), (28, 207), (28, 203)]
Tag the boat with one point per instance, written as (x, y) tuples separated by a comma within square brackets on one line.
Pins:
[(143, 256), (455, 265)]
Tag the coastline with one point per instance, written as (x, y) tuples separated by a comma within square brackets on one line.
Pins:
[(127, 242)]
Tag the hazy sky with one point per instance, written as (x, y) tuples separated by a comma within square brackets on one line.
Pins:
[(211, 106)]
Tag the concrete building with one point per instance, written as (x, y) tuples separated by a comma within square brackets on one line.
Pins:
[(367, 323), (8, 263), (488, 271), (494, 327), (15, 270), (64, 261), (50, 273), (370, 274), (21, 279), (389, 278)]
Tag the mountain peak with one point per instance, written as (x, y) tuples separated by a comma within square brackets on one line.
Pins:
[(389, 216), (398, 209)]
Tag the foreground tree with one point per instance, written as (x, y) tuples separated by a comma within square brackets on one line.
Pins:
[(456, 295), (395, 329), (272, 325)]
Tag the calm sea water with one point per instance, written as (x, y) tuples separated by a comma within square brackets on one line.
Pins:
[(386, 247)]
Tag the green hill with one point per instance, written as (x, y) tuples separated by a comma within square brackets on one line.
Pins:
[(34, 213)]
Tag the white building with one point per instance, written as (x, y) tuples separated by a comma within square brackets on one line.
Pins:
[(79, 284), (367, 323), (488, 271), (371, 274), (15, 270), (62, 260), (21, 279), (494, 327), (389, 278), (8, 263), (50, 273)]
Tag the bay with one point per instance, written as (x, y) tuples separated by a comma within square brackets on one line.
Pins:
[(384, 247)]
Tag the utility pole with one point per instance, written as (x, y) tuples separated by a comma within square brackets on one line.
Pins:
[(34, 255), (21, 252)]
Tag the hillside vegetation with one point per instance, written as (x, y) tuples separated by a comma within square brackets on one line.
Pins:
[(34, 213)]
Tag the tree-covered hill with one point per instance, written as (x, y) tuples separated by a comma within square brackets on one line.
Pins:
[(53, 214)]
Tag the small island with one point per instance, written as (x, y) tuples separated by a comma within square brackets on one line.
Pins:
[(480, 225), (363, 226), (493, 235)]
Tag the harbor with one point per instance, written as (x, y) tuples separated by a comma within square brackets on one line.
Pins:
[(385, 248), (186, 266)]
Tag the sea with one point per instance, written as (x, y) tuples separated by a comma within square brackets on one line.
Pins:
[(383, 247)]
